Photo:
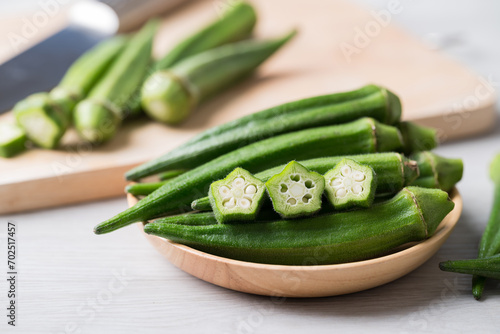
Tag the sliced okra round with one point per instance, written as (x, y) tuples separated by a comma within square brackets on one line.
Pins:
[(43, 121), (237, 197), (296, 191), (350, 184)]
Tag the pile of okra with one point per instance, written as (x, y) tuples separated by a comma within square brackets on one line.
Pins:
[(323, 180), (119, 80)]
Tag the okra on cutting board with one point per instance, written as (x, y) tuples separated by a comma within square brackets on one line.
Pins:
[(335, 171), (107, 84)]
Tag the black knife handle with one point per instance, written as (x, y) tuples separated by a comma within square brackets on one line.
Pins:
[(132, 13)]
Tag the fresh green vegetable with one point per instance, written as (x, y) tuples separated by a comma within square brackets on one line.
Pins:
[(42, 120), (238, 197), (350, 184), (362, 136), (436, 171), (171, 174), (412, 215), (487, 267), (143, 189), (393, 170), (86, 72), (428, 137), (99, 115), (296, 191), (169, 95), (203, 218), (371, 100), (236, 24), (45, 117), (12, 140), (490, 242)]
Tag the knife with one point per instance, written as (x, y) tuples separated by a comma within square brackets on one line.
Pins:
[(42, 66)]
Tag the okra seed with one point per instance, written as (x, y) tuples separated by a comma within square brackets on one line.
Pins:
[(297, 190), (306, 198), (251, 189), (284, 188), (295, 177), (245, 203), (337, 182), (239, 182), (346, 170), (341, 193), (230, 203), (292, 201), (309, 184), (357, 189), (359, 176), (224, 191)]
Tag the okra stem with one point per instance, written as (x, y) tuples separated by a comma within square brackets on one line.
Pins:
[(437, 171)]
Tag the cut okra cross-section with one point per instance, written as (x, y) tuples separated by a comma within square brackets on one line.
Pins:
[(350, 184), (296, 191), (12, 140), (237, 197)]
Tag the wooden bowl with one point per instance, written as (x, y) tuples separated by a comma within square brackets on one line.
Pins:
[(305, 281)]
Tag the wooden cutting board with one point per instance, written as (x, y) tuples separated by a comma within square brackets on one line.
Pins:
[(339, 47)]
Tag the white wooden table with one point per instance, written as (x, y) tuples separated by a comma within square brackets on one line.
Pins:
[(71, 281)]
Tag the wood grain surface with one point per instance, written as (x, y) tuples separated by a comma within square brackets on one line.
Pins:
[(434, 89)]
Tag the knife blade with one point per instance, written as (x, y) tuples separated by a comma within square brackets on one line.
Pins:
[(42, 66)]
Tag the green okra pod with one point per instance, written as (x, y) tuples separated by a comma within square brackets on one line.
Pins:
[(169, 96), (350, 184), (490, 241), (143, 189), (46, 119), (372, 101), (43, 121), (171, 174), (12, 140), (99, 115), (237, 197), (296, 191), (487, 267), (362, 136), (412, 215), (237, 23), (437, 171)]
